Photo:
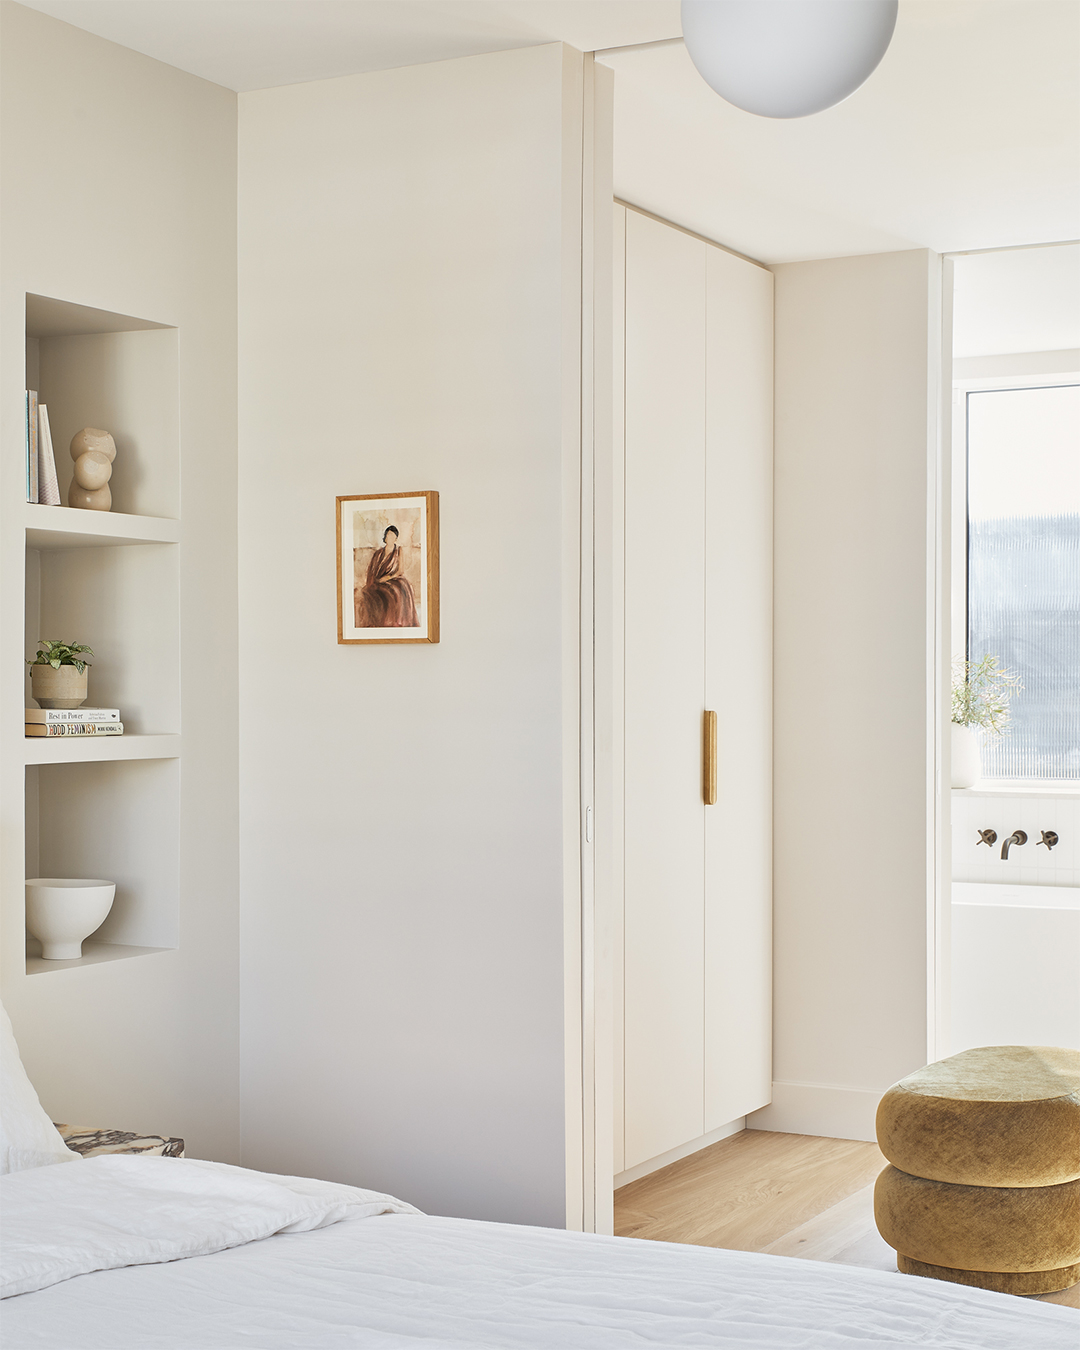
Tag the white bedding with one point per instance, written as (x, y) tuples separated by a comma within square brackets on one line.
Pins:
[(124, 1211), (408, 1280)]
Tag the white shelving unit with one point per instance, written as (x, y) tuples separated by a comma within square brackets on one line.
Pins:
[(40, 750), (109, 807), (93, 954), (62, 527)]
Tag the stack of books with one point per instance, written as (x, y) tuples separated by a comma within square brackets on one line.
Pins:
[(74, 722), (41, 482)]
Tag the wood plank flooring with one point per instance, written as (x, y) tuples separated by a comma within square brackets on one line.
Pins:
[(787, 1194)]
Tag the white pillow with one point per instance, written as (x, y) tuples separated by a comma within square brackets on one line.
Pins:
[(28, 1138)]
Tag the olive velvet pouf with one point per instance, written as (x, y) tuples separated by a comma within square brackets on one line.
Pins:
[(984, 1187)]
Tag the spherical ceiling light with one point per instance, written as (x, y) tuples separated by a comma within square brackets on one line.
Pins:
[(786, 58)]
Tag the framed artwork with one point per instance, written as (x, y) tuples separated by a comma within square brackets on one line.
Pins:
[(388, 567)]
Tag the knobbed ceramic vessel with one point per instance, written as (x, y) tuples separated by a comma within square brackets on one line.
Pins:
[(93, 451)]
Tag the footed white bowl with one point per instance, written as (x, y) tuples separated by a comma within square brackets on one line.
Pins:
[(62, 911)]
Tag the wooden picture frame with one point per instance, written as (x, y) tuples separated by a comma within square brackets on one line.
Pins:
[(388, 588)]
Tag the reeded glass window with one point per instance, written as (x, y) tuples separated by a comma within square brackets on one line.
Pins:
[(1023, 450)]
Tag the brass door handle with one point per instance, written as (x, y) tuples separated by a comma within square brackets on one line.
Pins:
[(709, 760)]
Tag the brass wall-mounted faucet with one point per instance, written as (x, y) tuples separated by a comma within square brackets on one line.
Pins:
[(1017, 837)]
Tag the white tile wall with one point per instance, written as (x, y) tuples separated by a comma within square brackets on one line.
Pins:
[(974, 810)]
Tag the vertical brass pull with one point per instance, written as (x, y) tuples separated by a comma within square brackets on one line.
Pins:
[(709, 773)]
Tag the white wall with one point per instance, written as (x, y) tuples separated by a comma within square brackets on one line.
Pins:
[(856, 413), (1016, 300), (118, 192), (409, 315)]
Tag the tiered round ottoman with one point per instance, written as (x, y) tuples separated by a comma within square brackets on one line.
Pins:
[(984, 1186)]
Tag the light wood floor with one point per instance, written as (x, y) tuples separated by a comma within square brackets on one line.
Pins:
[(788, 1194)]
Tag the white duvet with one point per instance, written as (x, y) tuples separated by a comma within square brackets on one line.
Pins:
[(292, 1264), (118, 1211)]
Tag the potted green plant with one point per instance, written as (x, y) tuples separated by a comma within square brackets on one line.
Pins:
[(58, 674), (981, 691)]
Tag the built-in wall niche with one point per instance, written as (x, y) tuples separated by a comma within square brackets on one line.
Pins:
[(117, 821), (97, 368), (124, 602)]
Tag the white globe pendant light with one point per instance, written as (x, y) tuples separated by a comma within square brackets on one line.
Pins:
[(786, 58)]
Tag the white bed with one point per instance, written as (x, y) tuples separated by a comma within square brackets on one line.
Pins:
[(143, 1253), (359, 1269)]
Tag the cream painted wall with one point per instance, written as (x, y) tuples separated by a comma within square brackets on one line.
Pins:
[(119, 192), (409, 320), (857, 358), (409, 323)]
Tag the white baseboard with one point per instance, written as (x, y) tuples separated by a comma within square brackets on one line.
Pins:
[(683, 1151), (810, 1108)]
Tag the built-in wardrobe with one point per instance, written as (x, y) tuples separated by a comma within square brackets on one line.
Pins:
[(693, 362)]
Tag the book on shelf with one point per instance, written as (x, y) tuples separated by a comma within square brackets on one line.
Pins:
[(48, 486), (72, 715), (74, 729), (31, 445)]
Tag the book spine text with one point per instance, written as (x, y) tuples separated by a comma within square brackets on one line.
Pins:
[(72, 715), (74, 728)]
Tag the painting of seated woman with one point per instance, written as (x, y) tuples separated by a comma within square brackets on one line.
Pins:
[(388, 549), (387, 598)]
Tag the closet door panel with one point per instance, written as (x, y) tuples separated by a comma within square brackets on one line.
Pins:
[(738, 676), (665, 599)]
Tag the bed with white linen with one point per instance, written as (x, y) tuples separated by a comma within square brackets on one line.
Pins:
[(339, 1267), (144, 1253)]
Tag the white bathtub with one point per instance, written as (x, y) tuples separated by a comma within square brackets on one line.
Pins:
[(1015, 965)]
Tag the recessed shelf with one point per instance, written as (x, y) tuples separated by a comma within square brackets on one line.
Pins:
[(94, 953), (85, 750), (55, 527), (47, 317), (104, 806)]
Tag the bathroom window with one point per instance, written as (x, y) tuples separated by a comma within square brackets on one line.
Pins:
[(1023, 569)]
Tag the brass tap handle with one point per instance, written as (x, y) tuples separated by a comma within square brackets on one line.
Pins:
[(987, 837), (708, 784), (1049, 838)]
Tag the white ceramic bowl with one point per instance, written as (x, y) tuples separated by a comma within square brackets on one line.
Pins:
[(62, 911)]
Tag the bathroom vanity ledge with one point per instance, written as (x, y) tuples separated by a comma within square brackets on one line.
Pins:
[(1002, 788)]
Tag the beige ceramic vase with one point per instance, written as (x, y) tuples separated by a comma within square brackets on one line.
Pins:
[(58, 688), (93, 451)]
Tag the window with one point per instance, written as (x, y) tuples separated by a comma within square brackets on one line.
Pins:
[(1023, 569)]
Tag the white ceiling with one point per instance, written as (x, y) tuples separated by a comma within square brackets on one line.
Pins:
[(1022, 300), (256, 44), (966, 137)]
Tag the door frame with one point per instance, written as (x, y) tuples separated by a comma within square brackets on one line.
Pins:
[(590, 816)]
